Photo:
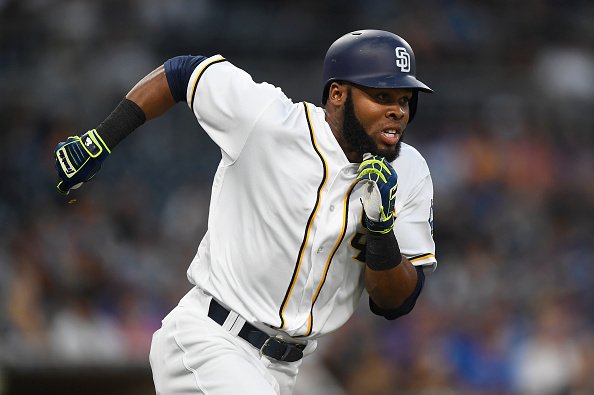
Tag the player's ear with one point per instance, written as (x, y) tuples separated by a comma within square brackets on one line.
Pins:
[(337, 93)]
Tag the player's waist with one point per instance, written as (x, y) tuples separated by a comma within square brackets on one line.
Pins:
[(275, 347), (269, 341)]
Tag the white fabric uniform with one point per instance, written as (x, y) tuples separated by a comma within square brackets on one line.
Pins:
[(285, 240)]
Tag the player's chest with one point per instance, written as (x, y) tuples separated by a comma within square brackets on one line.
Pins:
[(318, 199)]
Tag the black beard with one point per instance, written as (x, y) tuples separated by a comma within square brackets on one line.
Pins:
[(358, 139)]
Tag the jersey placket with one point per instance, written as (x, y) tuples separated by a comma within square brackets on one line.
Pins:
[(329, 232)]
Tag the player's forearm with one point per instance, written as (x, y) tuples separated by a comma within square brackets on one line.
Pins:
[(152, 94), (389, 289), (78, 160), (148, 99)]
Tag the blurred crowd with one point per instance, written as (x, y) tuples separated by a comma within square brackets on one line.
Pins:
[(508, 135)]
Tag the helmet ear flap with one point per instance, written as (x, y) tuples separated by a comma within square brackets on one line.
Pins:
[(412, 106)]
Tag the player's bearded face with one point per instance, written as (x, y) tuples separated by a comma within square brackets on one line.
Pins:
[(358, 138)]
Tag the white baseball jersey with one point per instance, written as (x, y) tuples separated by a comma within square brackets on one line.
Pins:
[(285, 240)]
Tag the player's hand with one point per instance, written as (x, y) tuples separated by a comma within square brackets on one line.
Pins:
[(379, 194), (78, 159)]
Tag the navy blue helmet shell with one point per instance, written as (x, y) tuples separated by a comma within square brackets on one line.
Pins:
[(373, 59)]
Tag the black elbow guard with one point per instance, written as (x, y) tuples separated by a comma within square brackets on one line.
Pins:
[(407, 306)]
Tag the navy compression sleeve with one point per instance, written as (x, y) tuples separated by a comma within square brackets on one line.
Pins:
[(178, 71)]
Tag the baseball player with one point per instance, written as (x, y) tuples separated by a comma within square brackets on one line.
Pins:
[(310, 206)]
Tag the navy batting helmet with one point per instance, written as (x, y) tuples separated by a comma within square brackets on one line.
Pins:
[(374, 59)]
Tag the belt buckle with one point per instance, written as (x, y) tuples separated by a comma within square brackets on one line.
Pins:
[(270, 338), (290, 352)]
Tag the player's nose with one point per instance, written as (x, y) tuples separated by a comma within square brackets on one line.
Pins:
[(396, 111)]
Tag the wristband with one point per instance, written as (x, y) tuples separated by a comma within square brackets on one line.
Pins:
[(122, 121), (383, 251)]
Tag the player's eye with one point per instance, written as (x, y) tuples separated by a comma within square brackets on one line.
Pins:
[(404, 101), (383, 97)]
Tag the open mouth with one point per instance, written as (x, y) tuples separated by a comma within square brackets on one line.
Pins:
[(390, 136)]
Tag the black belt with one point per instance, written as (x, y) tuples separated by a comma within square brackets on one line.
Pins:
[(273, 347)]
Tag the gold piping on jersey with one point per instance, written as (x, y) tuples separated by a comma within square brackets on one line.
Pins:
[(195, 85), (345, 221), (420, 257), (310, 220)]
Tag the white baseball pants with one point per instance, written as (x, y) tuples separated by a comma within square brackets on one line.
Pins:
[(191, 354)]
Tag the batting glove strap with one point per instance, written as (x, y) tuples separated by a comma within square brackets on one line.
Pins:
[(78, 159), (380, 227)]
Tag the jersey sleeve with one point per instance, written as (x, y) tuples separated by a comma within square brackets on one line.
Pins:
[(414, 225), (178, 71), (227, 102)]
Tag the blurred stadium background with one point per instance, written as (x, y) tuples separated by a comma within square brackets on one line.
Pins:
[(509, 136)]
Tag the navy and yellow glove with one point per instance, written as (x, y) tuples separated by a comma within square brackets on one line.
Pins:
[(379, 195), (78, 159)]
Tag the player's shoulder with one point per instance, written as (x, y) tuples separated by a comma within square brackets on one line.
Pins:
[(223, 73)]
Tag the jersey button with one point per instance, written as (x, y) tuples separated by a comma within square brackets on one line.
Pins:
[(320, 250), (332, 208)]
